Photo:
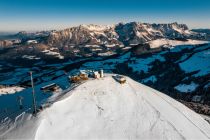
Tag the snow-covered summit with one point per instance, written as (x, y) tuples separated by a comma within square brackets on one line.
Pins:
[(105, 109)]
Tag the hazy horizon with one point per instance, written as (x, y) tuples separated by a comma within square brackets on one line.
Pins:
[(37, 15)]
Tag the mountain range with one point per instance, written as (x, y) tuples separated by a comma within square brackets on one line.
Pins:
[(120, 34), (92, 40), (112, 35)]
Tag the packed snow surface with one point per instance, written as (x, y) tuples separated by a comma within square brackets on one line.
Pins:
[(105, 109)]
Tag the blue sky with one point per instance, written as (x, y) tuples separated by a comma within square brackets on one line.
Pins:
[(33, 15)]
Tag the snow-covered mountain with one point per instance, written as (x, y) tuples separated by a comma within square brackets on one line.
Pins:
[(121, 34), (105, 109)]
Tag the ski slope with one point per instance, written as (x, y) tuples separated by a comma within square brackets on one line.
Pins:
[(105, 109)]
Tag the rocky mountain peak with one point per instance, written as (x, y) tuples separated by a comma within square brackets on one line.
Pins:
[(121, 33)]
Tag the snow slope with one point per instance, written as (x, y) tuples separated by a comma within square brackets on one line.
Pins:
[(171, 43), (105, 109)]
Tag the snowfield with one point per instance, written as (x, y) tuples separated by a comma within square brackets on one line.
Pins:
[(10, 90), (171, 43), (105, 109)]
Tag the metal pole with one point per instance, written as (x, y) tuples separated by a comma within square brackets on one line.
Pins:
[(33, 93)]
